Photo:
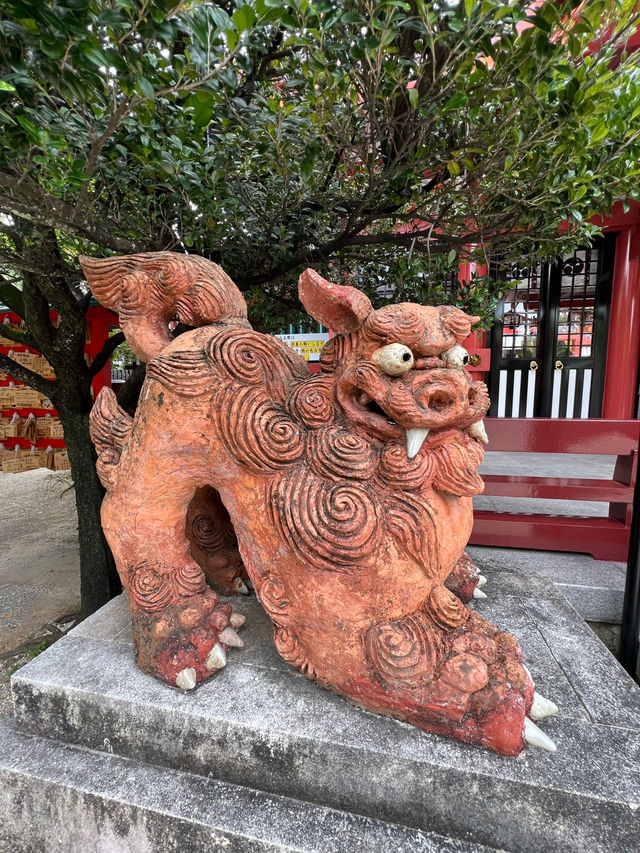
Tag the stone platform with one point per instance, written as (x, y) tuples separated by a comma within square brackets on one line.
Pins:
[(99, 756)]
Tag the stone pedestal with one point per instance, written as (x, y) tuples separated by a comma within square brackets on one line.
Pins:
[(99, 756)]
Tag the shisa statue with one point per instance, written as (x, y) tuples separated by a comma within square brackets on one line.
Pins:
[(344, 498)]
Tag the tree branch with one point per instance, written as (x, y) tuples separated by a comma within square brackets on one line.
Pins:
[(105, 353), (36, 309), (30, 202), (348, 239), (20, 336), (11, 296), (96, 149), (23, 374)]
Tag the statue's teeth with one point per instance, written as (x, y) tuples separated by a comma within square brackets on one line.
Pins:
[(415, 438), (478, 431)]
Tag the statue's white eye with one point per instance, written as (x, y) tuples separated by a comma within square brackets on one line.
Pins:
[(394, 359), (457, 356)]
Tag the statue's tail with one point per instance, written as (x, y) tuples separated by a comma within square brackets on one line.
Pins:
[(110, 428), (149, 290)]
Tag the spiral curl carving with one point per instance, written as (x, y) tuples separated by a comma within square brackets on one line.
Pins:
[(338, 453), (331, 525), (337, 350), (404, 653), (456, 321), (255, 430), (189, 579), (207, 534), (445, 608), (273, 596), (254, 359), (395, 323), (403, 474), (289, 650), (150, 589), (311, 402)]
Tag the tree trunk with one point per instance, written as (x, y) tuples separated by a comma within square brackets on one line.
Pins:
[(99, 580)]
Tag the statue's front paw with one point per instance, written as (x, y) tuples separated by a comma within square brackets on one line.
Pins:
[(188, 643), (501, 712), (465, 580), (449, 671)]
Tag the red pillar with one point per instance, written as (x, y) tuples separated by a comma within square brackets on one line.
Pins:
[(623, 349), (99, 320)]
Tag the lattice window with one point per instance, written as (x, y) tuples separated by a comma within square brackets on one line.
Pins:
[(577, 304), (521, 311)]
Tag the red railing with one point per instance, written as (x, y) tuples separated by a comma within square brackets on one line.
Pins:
[(607, 538)]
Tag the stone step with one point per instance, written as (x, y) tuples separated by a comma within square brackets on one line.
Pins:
[(260, 724), (595, 588), (65, 799)]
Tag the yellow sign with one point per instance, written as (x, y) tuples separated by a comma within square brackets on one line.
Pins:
[(308, 345)]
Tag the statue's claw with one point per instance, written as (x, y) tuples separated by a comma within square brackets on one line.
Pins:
[(217, 658), (188, 642), (542, 707), (479, 594), (186, 678), (230, 638), (481, 580), (536, 737)]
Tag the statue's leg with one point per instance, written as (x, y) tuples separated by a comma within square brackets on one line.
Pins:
[(465, 580), (181, 630), (213, 543), (449, 671)]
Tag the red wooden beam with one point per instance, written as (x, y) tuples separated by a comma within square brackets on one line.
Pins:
[(604, 538), (557, 488), (551, 435)]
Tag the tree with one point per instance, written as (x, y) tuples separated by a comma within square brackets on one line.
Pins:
[(385, 139)]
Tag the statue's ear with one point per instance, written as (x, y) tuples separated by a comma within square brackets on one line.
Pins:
[(342, 309)]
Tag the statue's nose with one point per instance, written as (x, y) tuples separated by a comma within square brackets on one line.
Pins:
[(442, 396)]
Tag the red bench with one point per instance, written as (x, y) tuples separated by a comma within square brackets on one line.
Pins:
[(606, 538)]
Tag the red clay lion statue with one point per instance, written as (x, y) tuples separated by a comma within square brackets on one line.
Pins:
[(344, 498)]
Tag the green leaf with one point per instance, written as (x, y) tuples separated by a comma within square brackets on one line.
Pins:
[(468, 7), (413, 98), (599, 131), (94, 55), (32, 131), (145, 86), (455, 102), (6, 87), (232, 38), (540, 22), (244, 18)]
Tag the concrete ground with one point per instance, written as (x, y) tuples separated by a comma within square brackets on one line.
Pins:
[(39, 564)]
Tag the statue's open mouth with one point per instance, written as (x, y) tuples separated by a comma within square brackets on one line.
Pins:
[(375, 408), (378, 418)]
